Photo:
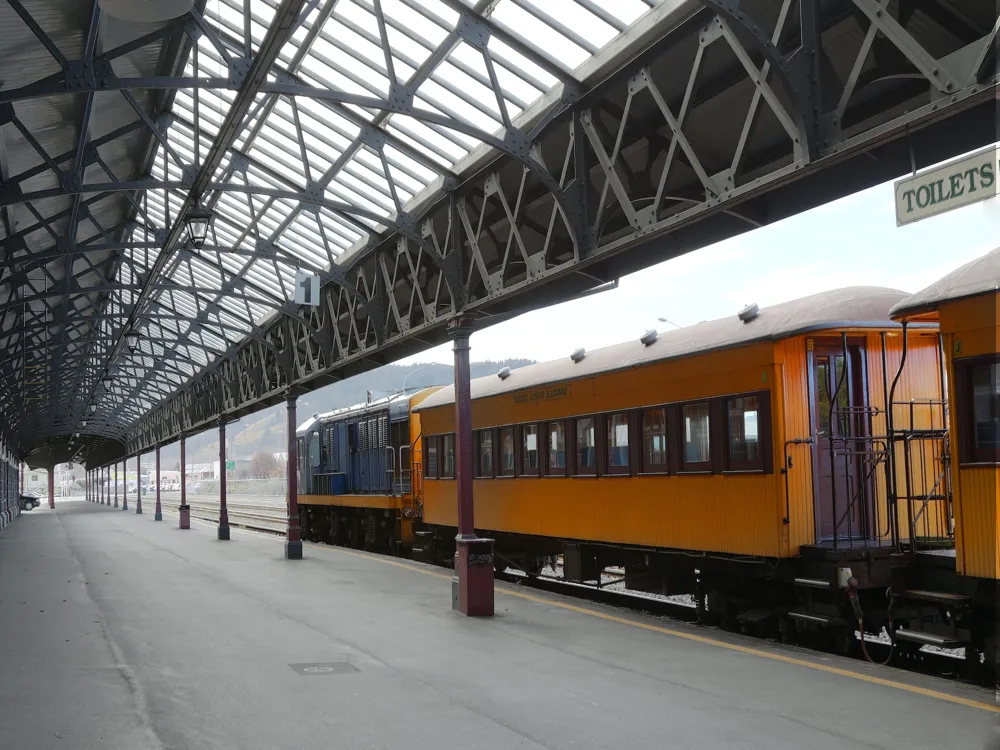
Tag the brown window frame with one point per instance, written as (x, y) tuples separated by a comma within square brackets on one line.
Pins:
[(578, 470), (547, 470), (968, 455), (477, 440), (524, 471), (610, 469), (442, 472), (694, 467), (498, 451), (744, 466), (646, 467), (435, 441)]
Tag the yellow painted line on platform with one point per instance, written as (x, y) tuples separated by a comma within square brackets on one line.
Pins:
[(926, 692)]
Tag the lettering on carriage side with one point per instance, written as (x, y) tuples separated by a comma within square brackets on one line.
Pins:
[(541, 394), (959, 183)]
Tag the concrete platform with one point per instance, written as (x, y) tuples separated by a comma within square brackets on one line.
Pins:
[(120, 632)]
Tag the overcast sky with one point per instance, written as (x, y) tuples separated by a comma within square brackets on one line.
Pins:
[(850, 242)]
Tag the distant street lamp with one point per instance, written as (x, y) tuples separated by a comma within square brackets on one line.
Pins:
[(664, 320), (427, 364)]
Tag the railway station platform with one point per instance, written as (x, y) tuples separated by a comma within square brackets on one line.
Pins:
[(120, 632)]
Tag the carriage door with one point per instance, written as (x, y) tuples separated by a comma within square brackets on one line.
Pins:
[(840, 499)]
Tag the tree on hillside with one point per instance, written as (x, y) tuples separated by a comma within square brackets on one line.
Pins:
[(265, 465)]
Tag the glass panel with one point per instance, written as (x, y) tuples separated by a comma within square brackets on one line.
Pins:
[(696, 433), (586, 456), (654, 438), (823, 394), (431, 446), (743, 441), (986, 406), (507, 450), (486, 453), (618, 440), (530, 448), (557, 445), (448, 455), (314, 457)]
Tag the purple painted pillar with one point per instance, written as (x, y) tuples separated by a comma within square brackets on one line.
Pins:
[(185, 509), (115, 481), (158, 510), (106, 487), (472, 586), (138, 484), (125, 484), (52, 487), (293, 537), (223, 511)]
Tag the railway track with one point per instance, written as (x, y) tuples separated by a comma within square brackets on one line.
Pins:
[(272, 520)]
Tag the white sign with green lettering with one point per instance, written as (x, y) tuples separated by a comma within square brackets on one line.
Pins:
[(960, 183)]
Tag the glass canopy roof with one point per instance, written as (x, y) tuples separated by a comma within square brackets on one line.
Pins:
[(295, 147)]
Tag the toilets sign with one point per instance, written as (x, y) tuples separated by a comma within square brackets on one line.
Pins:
[(959, 183)]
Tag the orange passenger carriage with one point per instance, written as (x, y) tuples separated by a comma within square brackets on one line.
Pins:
[(744, 461)]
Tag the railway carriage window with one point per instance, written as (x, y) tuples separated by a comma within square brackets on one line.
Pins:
[(744, 442), (314, 446), (431, 449), (695, 421), (654, 440), (556, 449), (448, 456), (618, 443), (985, 443), (506, 451), (485, 441), (529, 449), (586, 446)]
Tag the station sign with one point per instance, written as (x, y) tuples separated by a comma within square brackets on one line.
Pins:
[(959, 183), (306, 289), (230, 465)]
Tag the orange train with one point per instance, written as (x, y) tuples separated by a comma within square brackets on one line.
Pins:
[(787, 467)]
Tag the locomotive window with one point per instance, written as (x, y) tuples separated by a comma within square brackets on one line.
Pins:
[(314, 445), (506, 451), (695, 437), (654, 440), (484, 440), (586, 448), (556, 449), (744, 442), (617, 443), (980, 407), (431, 448), (529, 450), (448, 456)]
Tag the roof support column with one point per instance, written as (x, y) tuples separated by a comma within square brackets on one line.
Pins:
[(105, 489), (138, 484), (223, 511), (472, 586), (158, 510), (52, 487), (125, 484), (184, 509), (293, 537), (115, 480)]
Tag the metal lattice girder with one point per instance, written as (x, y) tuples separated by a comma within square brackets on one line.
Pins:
[(425, 157)]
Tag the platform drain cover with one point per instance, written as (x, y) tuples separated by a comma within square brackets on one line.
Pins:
[(326, 667)]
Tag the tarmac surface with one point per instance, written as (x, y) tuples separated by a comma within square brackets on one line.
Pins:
[(120, 632)]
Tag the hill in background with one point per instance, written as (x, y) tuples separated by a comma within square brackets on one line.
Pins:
[(265, 430)]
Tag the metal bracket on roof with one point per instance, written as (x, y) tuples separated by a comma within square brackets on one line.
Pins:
[(78, 74), (192, 29), (401, 96), (238, 69), (239, 162), (518, 142), (188, 175), (407, 223), (265, 248), (313, 196), (90, 155), (372, 137), (160, 236), (473, 31), (6, 113), (70, 181), (9, 191), (65, 245), (163, 121)]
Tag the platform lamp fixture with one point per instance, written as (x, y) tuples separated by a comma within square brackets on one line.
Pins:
[(198, 220), (93, 408), (132, 341), (106, 382)]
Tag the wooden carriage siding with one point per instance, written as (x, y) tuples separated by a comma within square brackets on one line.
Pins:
[(718, 510)]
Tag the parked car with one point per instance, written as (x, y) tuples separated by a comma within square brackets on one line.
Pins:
[(29, 501)]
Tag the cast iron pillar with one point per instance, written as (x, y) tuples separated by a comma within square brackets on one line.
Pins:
[(293, 538), (184, 509), (100, 486), (115, 480), (472, 586), (138, 485), (158, 510), (105, 487), (125, 484), (223, 511), (52, 487)]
